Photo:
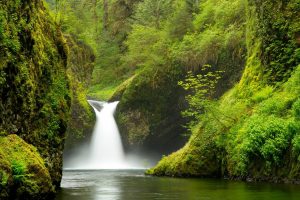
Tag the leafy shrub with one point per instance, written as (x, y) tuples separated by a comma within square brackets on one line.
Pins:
[(277, 105), (196, 50), (261, 138), (153, 12), (201, 88), (147, 47), (224, 13)]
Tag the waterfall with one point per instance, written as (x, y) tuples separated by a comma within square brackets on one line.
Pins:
[(106, 150)]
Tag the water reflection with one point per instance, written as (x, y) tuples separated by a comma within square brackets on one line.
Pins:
[(133, 185), (108, 189)]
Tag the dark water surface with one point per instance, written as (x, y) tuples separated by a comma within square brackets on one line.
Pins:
[(133, 185)]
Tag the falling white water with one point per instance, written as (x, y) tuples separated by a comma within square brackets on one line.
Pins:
[(106, 150)]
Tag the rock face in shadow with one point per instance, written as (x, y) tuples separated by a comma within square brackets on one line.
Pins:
[(81, 60), (148, 114), (35, 90)]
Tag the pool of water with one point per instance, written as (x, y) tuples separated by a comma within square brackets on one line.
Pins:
[(134, 185)]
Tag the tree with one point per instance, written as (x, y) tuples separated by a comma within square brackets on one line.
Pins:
[(153, 12), (201, 88)]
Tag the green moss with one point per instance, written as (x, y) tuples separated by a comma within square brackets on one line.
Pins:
[(137, 126), (262, 94), (34, 85), (118, 92), (277, 34), (150, 98), (22, 170), (254, 130), (80, 66), (18, 170)]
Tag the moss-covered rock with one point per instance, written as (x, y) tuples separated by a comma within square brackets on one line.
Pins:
[(187, 163), (254, 131), (34, 87), (80, 68), (23, 174), (149, 110)]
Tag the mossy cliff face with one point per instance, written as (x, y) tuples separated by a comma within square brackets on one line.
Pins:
[(80, 67), (35, 98), (277, 29), (148, 114), (254, 132), (23, 173)]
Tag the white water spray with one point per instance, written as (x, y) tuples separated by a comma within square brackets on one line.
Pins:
[(106, 150)]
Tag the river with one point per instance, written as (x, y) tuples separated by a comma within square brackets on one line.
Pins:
[(134, 185)]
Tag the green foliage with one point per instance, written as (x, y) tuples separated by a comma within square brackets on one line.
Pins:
[(201, 88), (252, 140), (255, 132), (280, 53), (264, 138), (252, 130), (296, 109), (223, 13), (160, 48), (197, 50), (153, 13), (180, 21), (80, 18), (296, 146), (262, 94), (4, 179), (147, 47), (278, 105), (120, 19), (108, 69), (296, 140)]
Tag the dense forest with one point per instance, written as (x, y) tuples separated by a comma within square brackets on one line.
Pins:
[(212, 84)]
